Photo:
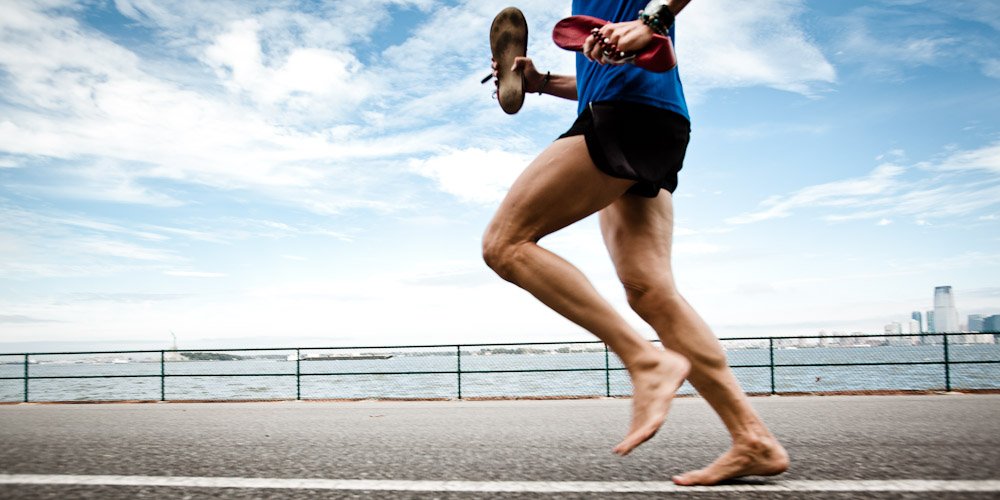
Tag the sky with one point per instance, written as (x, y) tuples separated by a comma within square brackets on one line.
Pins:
[(299, 173)]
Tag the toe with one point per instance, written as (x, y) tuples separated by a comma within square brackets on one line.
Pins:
[(624, 448), (682, 480), (690, 478)]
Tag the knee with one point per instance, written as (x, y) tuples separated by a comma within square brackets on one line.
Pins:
[(651, 296), (501, 254)]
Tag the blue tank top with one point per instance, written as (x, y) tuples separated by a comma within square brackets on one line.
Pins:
[(595, 82)]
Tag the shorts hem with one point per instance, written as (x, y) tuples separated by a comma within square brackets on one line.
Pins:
[(651, 161)]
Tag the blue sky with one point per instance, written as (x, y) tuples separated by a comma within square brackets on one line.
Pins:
[(283, 172)]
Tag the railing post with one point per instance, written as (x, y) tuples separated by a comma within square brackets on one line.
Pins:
[(25, 378), (947, 365), (607, 371), (770, 341), (458, 350), (163, 376), (298, 374)]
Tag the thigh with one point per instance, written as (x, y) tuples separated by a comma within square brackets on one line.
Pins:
[(638, 233), (558, 188)]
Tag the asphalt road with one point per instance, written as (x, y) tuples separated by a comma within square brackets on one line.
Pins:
[(844, 438)]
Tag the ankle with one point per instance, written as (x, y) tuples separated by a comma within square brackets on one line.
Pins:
[(753, 436), (643, 360), (654, 359)]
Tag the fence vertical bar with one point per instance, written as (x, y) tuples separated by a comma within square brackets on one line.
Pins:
[(607, 371), (770, 341), (298, 374), (947, 365), (26, 378), (163, 376), (458, 351)]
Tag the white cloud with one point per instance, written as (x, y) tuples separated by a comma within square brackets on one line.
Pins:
[(309, 79), (696, 248), (887, 58), (986, 159), (764, 129), (121, 249), (261, 105), (839, 193), (312, 113), (991, 68), (473, 175), (81, 97), (886, 39), (884, 222), (894, 154), (194, 274), (100, 180), (728, 43), (891, 191), (51, 243)]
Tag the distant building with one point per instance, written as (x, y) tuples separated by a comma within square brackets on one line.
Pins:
[(896, 328), (975, 323), (930, 322), (913, 326), (991, 324), (916, 316), (172, 354), (980, 338), (945, 314), (823, 341)]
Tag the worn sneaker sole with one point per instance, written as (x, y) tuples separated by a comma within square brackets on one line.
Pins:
[(509, 39)]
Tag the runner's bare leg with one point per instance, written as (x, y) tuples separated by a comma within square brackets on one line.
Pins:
[(558, 188), (638, 234)]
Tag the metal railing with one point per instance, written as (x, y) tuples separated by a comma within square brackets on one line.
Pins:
[(765, 365)]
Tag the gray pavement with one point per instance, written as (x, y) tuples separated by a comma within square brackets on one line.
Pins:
[(947, 437)]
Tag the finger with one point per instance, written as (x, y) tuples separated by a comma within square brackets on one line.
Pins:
[(589, 47), (616, 38), (597, 55), (607, 31)]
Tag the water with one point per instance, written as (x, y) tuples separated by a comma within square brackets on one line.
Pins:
[(263, 379)]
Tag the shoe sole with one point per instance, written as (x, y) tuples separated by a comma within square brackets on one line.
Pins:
[(509, 39), (572, 32)]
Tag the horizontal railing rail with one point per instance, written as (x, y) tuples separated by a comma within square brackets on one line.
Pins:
[(458, 351)]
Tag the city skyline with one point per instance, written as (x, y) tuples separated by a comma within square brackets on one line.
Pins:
[(945, 306), (249, 172)]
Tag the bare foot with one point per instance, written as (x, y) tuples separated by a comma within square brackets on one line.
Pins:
[(654, 384), (759, 457)]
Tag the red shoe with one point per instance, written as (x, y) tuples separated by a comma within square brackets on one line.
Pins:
[(572, 32), (509, 39)]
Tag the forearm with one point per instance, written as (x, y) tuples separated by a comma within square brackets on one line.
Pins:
[(676, 6), (561, 86)]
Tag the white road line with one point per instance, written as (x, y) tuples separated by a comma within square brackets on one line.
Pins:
[(902, 485)]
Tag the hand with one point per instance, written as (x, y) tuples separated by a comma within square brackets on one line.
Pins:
[(533, 80), (629, 37)]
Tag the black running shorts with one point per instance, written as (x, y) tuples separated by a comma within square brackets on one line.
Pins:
[(635, 141)]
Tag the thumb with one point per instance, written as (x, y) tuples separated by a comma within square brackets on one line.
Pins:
[(519, 63)]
